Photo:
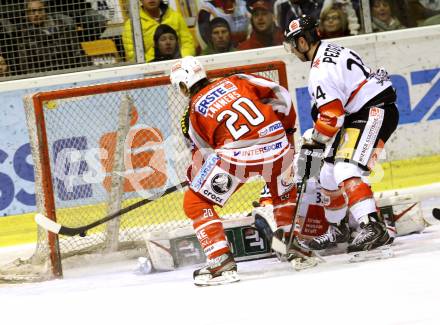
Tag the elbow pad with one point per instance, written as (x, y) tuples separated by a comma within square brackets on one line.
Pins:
[(330, 119)]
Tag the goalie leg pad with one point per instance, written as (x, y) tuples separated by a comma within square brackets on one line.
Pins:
[(408, 218), (160, 256), (265, 212)]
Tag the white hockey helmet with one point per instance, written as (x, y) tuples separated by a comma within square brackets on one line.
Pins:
[(186, 73)]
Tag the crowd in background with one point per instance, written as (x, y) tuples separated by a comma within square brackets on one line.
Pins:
[(37, 36)]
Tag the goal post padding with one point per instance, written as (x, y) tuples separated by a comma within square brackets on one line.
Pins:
[(99, 148)]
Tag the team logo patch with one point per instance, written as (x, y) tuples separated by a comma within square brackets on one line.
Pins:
[(176, 67), (374, 111), (271, 128), (287, 177), (316, 63), (287, 181), (294, 26), (221, 183)]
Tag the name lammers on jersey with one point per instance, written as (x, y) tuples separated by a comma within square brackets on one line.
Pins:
[(216, 98)]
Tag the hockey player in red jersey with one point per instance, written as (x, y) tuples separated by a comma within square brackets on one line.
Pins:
[(240, 126), (355, 114)]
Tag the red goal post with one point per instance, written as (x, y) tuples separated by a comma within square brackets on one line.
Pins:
[(99, 148)]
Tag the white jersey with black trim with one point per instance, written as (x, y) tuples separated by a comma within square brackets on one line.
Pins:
[(339, 73)]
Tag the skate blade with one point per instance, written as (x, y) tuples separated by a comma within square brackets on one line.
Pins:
[(301, 263), (380, 253), (207, 279), (313, 254)]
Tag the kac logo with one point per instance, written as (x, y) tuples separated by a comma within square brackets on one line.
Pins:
[(221, 183)]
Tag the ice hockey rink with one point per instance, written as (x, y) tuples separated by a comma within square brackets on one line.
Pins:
[(404, 289)]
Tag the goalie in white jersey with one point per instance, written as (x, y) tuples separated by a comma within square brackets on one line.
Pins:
[(355, 114)]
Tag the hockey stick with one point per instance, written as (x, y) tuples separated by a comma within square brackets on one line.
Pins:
[(284, 248), (57, 228), (436, 213)]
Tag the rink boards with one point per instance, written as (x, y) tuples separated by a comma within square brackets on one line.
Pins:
[(412, 155)]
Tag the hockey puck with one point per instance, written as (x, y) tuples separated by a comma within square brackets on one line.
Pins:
[(82, 234), (144, 265), (436, 213)]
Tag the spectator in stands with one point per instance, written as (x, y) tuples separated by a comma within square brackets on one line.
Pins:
[(333, 23), (166, 44), (8, 34), (351, 8), (264, 31), (220, 37), (49, 41), (424, 12), (287, 10), (4, 68), (233, 11), (152, 14), (89, 22), (383, 18), (6, 26), (430, 4), (434, 20)]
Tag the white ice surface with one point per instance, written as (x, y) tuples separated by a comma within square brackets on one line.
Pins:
[(401, 290)]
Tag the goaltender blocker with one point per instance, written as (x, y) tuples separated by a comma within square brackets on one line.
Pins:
[(240, 126)]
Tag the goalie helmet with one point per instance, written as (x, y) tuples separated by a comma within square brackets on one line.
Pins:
[(305, 26), (186, 73)]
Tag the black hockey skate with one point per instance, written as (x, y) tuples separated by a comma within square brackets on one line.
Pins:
[(219, 270), (373, 233), (335, 234)]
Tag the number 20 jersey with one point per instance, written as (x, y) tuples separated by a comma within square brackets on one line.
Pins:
[(243, 118), (338, 73)]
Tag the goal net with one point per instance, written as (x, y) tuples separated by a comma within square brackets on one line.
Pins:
[(99, 148)]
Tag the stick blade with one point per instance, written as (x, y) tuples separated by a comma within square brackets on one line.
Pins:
[(47, 224), (278, 246)]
